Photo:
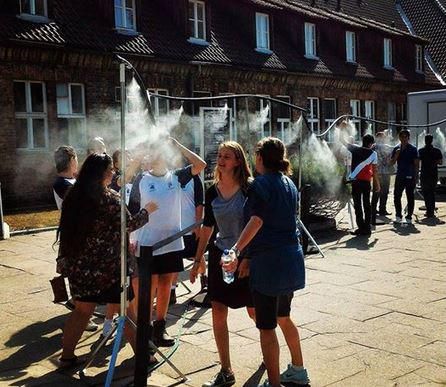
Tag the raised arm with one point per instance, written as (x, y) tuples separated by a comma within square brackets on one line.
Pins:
[(198, 164)]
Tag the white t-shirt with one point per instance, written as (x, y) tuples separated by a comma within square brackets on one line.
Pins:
[(192, 198), (166, 221)]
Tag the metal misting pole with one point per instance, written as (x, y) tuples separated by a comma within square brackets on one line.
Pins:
[(2, 230), (124, 284)]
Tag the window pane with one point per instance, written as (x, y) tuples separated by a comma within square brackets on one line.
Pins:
[(329, 109), (118, 17), (77, 107), (25, 6), (129, 18), (40, 7), (118, 3), (39, 133), (21, 133), (200, 34), (19, 97), (200, 12), (62, 106), (191, 10), (192, 28), (76, 130), (62, 90), (36, 97), (163, 106), (129, 3)]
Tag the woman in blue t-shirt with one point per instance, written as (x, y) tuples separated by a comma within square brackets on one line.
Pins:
[(276, 265)]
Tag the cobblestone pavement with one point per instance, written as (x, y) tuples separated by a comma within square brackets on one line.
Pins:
[(373, 314)]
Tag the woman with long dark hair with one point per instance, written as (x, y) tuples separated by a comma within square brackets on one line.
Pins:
[(223, 210), (276, 262), (90, 243)]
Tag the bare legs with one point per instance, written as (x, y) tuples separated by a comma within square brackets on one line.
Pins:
[(292, 339)]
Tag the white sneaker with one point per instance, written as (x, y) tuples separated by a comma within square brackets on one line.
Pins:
[(398, 219)]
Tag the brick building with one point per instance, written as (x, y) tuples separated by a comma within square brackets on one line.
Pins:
[(58, 74)]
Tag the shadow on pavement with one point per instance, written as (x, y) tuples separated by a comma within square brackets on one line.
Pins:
[(405, 229), (360, 242), (256, 378)]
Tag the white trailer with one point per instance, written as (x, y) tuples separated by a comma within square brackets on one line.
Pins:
[(425, 107)]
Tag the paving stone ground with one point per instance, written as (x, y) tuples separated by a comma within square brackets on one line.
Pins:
[(373, 314)]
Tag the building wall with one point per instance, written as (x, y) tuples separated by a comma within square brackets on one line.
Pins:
[(26, 176)]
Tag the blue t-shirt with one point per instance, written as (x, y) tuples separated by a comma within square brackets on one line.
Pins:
[(277, 264), (406, 161)]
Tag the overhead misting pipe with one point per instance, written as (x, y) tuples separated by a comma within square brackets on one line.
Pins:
[(340, 118)]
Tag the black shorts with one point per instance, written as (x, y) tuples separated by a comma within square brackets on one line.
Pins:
[(112, 295), (168, 263), (190, 246), (268, 308)]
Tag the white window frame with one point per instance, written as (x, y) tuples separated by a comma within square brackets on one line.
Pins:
[(369, 111), (156, 101), (123, 7), (350, 46), (355, 107), (284, 124), (70, 113), (310, 41), (263, 36), (314, 122), (194, 18), (329, 121), (262, 105), (388, 54), (419, 58), (29, 115), (32, 16)]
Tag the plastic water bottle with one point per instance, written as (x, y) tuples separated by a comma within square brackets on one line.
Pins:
[(227, 257)]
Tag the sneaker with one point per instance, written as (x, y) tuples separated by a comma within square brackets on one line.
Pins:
[(91, 327), (398, 219), (293, 375), (384, 213), (160, 336), (408, 221), (221, 379)]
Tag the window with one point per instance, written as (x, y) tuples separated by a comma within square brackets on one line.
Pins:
[(125, 17), (71, 113), (31, 115), (350, 46), (34, 7), (283, 114), (263, 111), (419, 58), (330, 114), (401, 113), (160, 106), (369, 112), (197, 20), (197, 104), (313, 113), (310, 40), (355, 108), (388, 63), (391, 116), (262, 32)]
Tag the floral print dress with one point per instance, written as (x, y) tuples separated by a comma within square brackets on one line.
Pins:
[(98, 265)]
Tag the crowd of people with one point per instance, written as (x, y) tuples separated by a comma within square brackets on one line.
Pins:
[(252, 218), (373, 164)]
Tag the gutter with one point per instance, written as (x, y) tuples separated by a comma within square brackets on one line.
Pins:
[(427, 56)]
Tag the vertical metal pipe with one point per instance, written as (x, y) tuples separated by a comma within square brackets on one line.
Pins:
[(123, 305), (143, 332), (2, 230)]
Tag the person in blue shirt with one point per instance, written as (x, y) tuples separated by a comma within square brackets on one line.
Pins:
[(275, 263), (405, 155)]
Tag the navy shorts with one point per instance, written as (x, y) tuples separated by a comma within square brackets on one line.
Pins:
[(268, 308)]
